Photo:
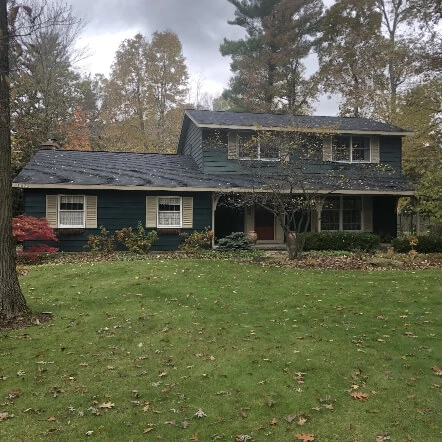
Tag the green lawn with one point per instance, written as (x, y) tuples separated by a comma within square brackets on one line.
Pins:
[(181, 350)]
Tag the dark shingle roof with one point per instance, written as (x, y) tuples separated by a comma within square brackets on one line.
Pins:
[(204, 118), (82, 169)]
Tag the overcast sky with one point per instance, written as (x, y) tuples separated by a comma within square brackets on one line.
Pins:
[(201, 26)]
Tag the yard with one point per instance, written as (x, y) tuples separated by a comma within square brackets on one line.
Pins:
[(180, 350)]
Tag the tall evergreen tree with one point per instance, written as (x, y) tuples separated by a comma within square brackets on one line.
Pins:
[(268, 65)]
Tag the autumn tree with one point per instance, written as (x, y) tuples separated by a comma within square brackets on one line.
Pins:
[(47, 89), (421, 111), (145, 93), (268, 66), (351, 54)]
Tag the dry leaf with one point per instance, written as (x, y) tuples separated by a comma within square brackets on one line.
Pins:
[(4, 416), (185, 424), (52, 418), (302, 420), (14, 394), (107, 405), (305, 437), (200, 413), (194, 437), (359, 395), (437, 370), (147, 430), (274, 421)]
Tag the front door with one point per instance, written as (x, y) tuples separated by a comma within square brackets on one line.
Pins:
[(264, 224)]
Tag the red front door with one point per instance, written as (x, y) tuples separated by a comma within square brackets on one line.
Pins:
[(264, 224)]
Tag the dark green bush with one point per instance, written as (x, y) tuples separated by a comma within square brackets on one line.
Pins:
[(139, 242), (422, 244), (348, 241), (235, 241)]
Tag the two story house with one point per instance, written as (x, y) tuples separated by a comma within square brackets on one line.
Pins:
[(353, 165)]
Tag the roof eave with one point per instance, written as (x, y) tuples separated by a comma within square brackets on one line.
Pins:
[(221, 189)]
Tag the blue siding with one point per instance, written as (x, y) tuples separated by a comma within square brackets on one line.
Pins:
[(390, 151), (119, 209), (193, 144)]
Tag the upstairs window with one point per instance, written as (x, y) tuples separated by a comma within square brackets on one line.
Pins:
[(251, 146), (71, 211), (169, 212), (351, 149)]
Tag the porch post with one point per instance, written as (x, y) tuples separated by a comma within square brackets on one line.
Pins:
[(215, 199)]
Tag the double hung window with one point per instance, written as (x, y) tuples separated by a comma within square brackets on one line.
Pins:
[(351, 149), (71, 211), (252, 146), (169, 212)]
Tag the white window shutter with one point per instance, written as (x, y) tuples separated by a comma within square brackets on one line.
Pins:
[(187, 212), (232, 148), (52, 210), (375, 155), (327, 149), (151, 211), (91, 212)]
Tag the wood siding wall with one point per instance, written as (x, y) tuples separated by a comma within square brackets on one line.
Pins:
[(193, 144), (119, 209)]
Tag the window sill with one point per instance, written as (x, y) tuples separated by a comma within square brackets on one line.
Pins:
[(169, 231)]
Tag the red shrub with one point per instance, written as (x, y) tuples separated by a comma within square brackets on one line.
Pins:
[(29, 228)]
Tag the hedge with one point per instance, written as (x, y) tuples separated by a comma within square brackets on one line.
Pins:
[(347, 241), (423, 244)]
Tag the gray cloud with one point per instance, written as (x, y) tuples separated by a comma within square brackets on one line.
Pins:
[(201, 26)]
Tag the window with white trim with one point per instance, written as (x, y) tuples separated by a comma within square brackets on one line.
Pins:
[(169, 212), (351, 149), (71, 211), (342, 213), (251, 146)]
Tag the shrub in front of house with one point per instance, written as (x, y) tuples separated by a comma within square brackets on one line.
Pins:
[(235, 241), (421, 243), (36, 232), (196, 241), (104, 243), (139, 241), (348, 241)]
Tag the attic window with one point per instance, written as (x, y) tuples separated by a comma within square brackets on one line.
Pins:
[(71, 211), (252, 146), (351, 149)]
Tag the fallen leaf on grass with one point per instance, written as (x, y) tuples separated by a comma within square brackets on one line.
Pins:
[(147, 430), (305, 437), (302, 420), (52, 419), (4, 416), (107, 405), (14, 394), (274, 421), (437, 370), (200, 413), (194, 437), (359, 395)]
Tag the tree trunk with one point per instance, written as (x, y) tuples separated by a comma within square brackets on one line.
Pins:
[(12, 301)]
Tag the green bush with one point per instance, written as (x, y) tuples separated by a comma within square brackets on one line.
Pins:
[(138, 242), (349, 241), (197, 241), (103, 243), (421, 243), (235, 241)]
